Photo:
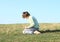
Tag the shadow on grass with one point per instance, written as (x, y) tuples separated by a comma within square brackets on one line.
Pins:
[(49, 31)]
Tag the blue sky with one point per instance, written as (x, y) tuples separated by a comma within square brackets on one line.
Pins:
[(46, 11)]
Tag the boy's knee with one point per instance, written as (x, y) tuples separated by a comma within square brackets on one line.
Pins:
[(24, 32)]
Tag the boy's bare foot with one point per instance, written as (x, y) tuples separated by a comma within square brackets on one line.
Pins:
[(37, 32)]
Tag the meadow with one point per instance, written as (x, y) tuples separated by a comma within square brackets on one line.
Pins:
[(50, 32)]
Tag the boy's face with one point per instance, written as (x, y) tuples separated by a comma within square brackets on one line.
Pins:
[(24, 16)]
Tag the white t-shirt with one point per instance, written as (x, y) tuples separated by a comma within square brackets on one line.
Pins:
[(32, 22)]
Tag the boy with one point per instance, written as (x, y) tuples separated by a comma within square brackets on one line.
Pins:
[(33, 27)]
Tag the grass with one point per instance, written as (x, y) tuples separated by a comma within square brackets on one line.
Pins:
[(13, 33)]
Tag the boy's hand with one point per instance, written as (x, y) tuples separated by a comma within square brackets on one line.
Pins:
[(26, 27)]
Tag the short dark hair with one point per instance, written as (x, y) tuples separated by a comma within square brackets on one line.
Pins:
[(25, 14)]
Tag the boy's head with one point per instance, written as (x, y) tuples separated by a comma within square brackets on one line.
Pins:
[(25, 14)]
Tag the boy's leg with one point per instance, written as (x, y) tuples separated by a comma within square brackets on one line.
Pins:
[(37, 32), (31, 31), (27, 31)]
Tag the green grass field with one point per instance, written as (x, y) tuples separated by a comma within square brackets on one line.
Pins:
[(13, 33)]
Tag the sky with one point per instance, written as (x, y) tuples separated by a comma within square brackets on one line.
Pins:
[(45, 11)]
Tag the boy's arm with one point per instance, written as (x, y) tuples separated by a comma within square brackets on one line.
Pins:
[(31, 23)]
